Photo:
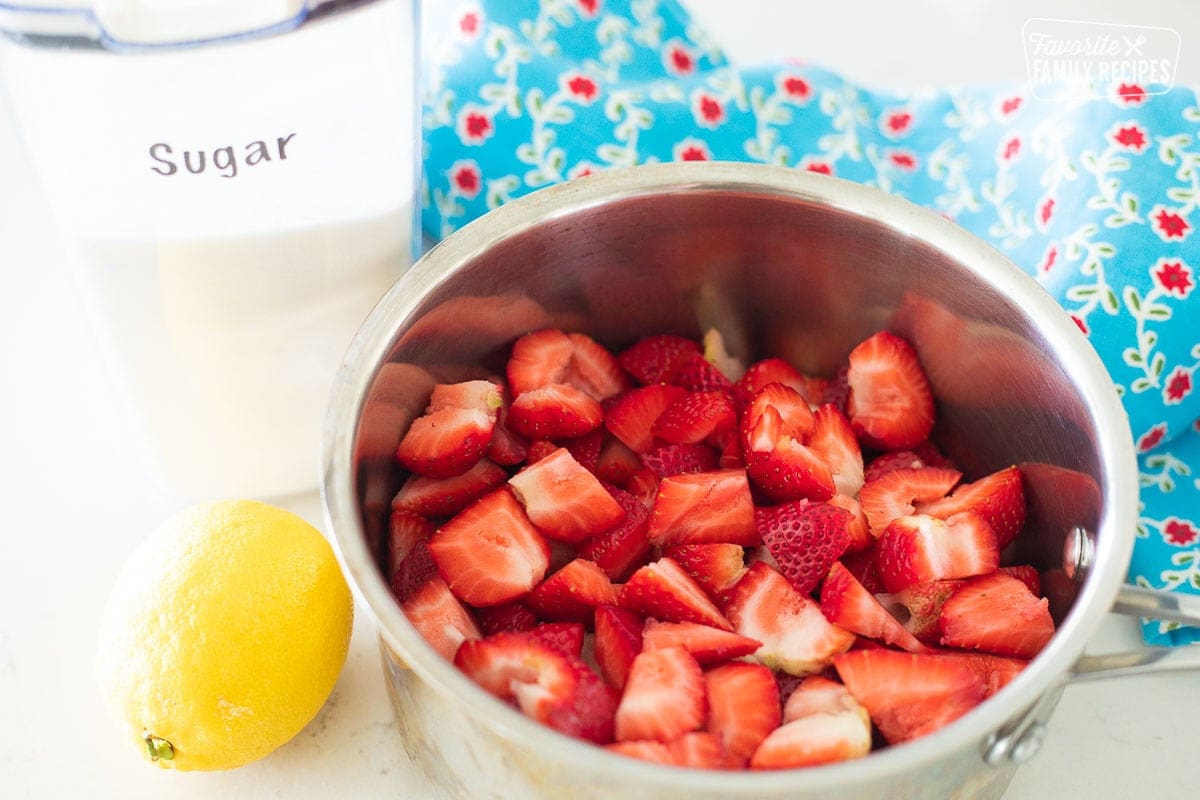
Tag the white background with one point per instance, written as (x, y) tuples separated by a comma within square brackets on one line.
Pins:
[(78, 497)]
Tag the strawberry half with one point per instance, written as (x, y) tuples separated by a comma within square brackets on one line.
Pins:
[(546, 684), (445, 497), (620, 549), (997, 613), (593, 369), (506, 448), (664, 591), (847, 604), (796, 637), (708, 645), (767, 371), (438, 616), (539, 359), (698, 374), (663, 696), (680, 459), (405, 531), (856, 528), (804, 539), (822, 724), (506, 617), (889, 462), (833, 442), (656, 359), (775, 428), (999, 498), (586, 449), (695, 417), (898, 492), (413, 571), (573, 593), (616, 463), (995, 671), (890, 404), (454, 432), (631, 417), (716, 567), (618, 640), (1027, 575), (909, 695), (919, 606), (921, 548), (704, 507), (743, 706), (490, 552), (700, 750), (554, 411), (565, 501)]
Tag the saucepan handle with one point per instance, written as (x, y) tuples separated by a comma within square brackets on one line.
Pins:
[(1138, 602)]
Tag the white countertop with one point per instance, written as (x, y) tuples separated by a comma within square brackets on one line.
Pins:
[(77, 499)]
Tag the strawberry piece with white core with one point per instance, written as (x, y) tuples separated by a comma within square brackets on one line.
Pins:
[(708, 645), (438, 616), (704, 507), (997, 613), (573, 593), (454, 432), (898, 492), (822, 724), (716, 567), (999, 498), (631, 417), (663, 696), (664, 591), (618, 641), (743, 706), (554, 411), (847, 604), (890, 403), (490, 552), (564, 500), (921, 548), (444, 497)]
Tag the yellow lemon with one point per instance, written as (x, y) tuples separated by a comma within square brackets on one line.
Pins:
[(224, 634)]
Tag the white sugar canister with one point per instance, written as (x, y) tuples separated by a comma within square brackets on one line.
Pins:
[(234, 181)]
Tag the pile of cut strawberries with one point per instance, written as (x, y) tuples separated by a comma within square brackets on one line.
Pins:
[(700, 563)]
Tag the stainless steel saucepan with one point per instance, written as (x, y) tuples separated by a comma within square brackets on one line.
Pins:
[(784, 263)]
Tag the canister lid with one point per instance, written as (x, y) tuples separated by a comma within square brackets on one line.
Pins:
[(152, 23)]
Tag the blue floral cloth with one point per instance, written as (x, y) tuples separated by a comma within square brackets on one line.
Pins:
[(1097, 199)]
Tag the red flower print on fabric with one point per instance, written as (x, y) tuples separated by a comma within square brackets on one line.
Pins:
[(1179, 386), (1180, 532), (817, 165), (474, 124), (583, 169), (1010, 105), (1010, 149), (678, 58), (1079, 323), (897, 123), (1129, 136), (1048, 259), (691, 149), (794, 88), (581, 88), (903, 159), (708, 110), (465, 179), (470, 23), (1045, 212), (1173, 277), (1169, 224), (1151, 438), (1131, 94), (588, 8)]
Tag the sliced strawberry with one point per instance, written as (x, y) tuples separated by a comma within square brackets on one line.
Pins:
[(700, 750), (857, 528), (445, 497), (663, 696), (743, 706), (616, 463), (997, 613), (506, 448), (919, 606), (664, 591), (538, 450), (644, 486), (775, 426), (889, 462), (716, 567), (995, 671), (454, 431), (438, 616), (618, 641), (864, 566), (909, 695), (769, 370), (680, 459), (847, 604), (510, 617), (698, 374), (644, 750), (695, 417), (586, 449), (796, 637), (593, 369), (620, 549), (704, 507), (890, 403), (554, 411), (708, 645), (490, 552), (547, 685), (573, 593), (538, 359), (565, 637), (837, 390), (999, 498), (921, 548), (656, 359), (823, 724), (804, 539), (1027, 575), (793, 417), (413, 572), (564, 500), (631, 416), (897, 494), (833, 442), (732, 456), (405, 531)]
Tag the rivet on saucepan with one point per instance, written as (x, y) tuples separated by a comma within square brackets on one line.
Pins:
[(1079, 549), (1029, 744)]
